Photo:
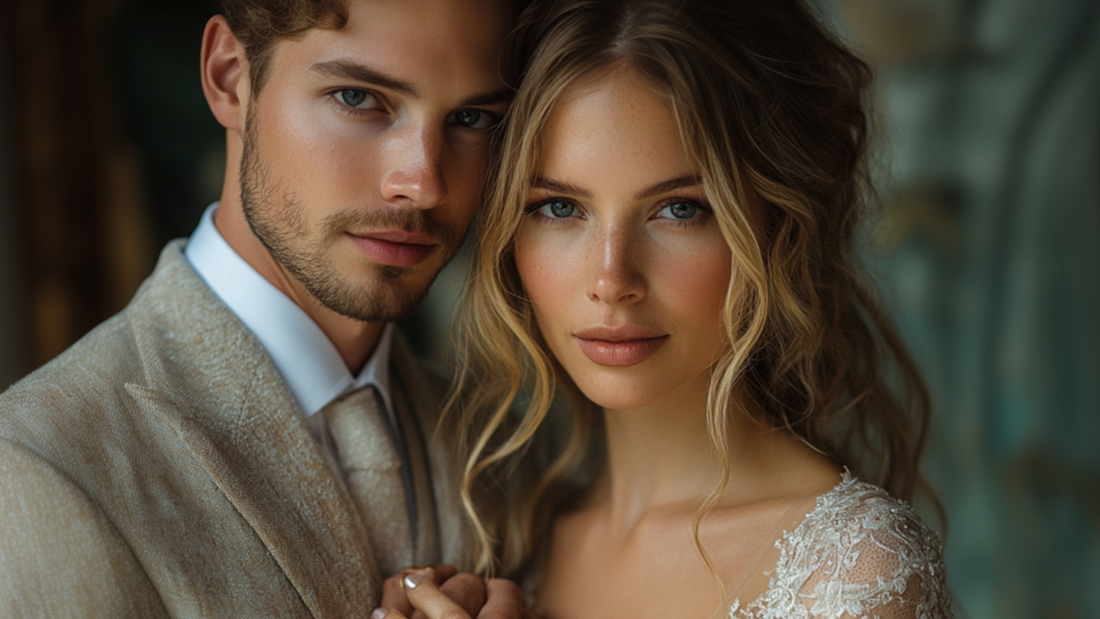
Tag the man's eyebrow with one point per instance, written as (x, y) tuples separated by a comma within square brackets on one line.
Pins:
[(504, 95), (684, 181), (361, 73), (553, 186)]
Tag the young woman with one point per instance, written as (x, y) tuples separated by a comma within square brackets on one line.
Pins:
[(668, 255)]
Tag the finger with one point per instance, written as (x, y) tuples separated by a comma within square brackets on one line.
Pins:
[(393, 595), (443, 571), (505, 600), (387, 613), (467, 590), (393, 591), (428, 599)]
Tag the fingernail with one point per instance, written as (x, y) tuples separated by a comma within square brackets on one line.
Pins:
[(379, 613), (414, 579)]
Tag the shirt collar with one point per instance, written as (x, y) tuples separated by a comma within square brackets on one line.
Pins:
[(300, 350)]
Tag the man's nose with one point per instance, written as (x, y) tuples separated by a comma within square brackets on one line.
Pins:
[(414, 173), (617, 277)]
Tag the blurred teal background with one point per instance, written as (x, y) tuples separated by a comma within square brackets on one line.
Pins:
[(989, 255), (986, 248)]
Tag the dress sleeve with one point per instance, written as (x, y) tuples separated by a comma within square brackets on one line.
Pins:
[(884, 563), (861, 554)]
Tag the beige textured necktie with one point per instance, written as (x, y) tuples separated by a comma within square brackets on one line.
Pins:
[(373, 470)]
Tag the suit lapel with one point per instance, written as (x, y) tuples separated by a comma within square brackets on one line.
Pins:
[(427, 536), (441, 513), (210, 380)]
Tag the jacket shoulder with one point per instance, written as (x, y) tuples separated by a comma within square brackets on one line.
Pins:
[(56, 536), (77, 388), (82, 393)]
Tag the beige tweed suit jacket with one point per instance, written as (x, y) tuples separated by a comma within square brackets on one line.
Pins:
[(160, 468)]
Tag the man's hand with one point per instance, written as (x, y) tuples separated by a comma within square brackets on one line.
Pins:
[(441, 593)]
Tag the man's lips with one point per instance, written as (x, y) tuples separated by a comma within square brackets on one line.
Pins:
[(619, 346), (399, 248)]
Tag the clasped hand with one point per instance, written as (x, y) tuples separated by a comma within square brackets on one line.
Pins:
[(440, 592)]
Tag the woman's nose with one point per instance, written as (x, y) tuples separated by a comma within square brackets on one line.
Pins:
[(616, 275)]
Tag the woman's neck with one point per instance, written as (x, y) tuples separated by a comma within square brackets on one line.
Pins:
[(659, 456), (661, 459)]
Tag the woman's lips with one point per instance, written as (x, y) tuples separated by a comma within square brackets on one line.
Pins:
[(622, 346), (397, 248)]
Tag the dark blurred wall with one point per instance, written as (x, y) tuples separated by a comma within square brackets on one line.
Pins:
[(13, 357), (79, 220), (112, 152), (154, 62)]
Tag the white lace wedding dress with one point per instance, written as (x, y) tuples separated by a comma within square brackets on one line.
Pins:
[(859, 554)]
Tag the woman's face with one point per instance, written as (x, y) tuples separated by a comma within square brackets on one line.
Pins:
[(619, 251)]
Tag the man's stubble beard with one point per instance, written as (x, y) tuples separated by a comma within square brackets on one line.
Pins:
[(277, 218)]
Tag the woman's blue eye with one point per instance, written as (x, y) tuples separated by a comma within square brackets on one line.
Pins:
[(558, 209), (353, 97), (474, 119), (680, 210)]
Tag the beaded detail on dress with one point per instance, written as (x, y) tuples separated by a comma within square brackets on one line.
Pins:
[(859, 554)]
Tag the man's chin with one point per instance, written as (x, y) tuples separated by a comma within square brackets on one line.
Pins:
[(382, 302)]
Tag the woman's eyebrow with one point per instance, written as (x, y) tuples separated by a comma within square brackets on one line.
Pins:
[(551, 185), (684, 181)]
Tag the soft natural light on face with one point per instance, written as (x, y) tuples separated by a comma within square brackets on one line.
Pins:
[(619, 251)]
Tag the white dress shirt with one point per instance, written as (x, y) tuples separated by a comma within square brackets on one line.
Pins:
[(307, 360)]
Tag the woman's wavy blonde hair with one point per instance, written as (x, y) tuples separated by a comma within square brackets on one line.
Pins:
[(771, 108)]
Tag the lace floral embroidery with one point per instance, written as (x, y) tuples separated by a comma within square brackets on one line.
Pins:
[(859, 554)]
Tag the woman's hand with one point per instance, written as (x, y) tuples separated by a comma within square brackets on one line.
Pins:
[(467, 590), (461, 596)]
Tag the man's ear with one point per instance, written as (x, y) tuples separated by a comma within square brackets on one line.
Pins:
[(223, 68)]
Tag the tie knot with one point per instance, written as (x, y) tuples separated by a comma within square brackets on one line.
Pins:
[(360, 433)]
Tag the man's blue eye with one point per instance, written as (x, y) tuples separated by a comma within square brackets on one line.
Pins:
[(558, 209), (474, 119), (353, 97)]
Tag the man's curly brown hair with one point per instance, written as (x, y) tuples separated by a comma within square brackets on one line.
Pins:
[(259, 24)]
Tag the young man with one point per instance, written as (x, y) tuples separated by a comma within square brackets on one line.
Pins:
[(249, 438)]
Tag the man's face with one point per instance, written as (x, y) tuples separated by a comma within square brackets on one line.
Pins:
[(366, 148)]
